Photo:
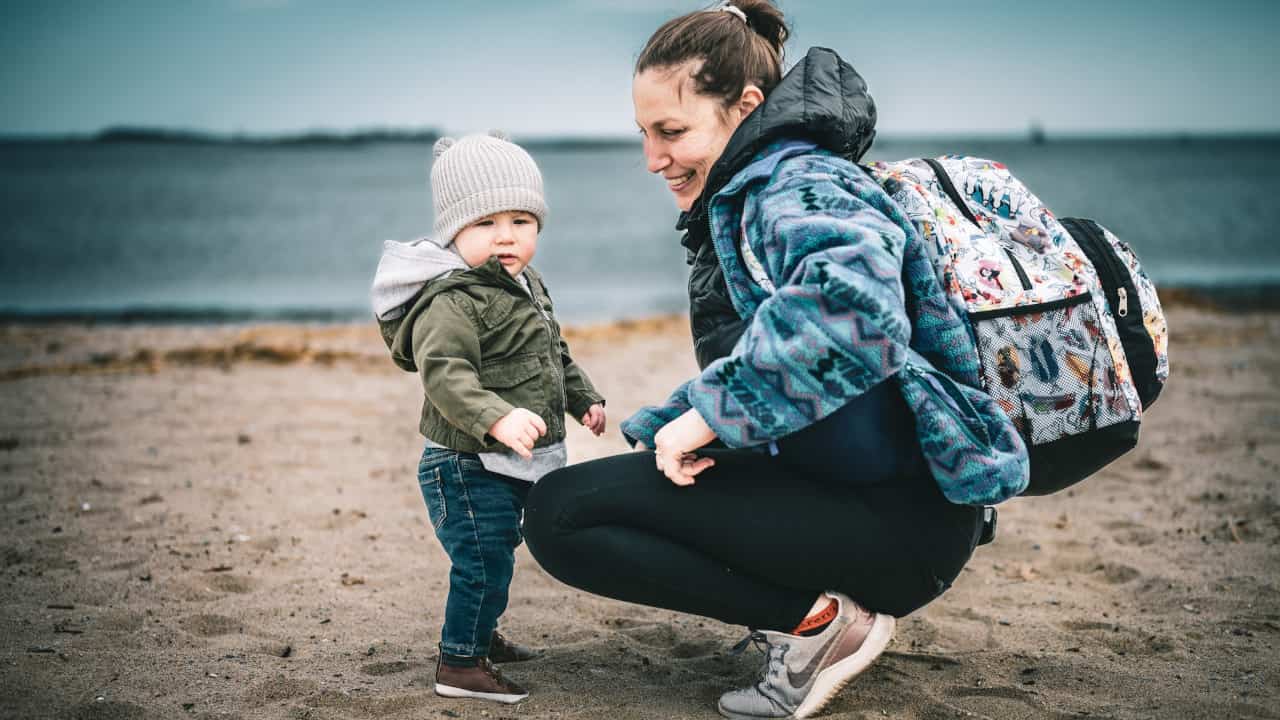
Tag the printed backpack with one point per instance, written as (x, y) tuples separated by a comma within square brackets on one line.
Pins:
[(1072, 340)]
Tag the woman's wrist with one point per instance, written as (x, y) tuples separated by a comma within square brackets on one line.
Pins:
[(674, 446), (686, 433)]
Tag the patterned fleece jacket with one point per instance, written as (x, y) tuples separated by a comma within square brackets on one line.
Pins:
[(854, 302)]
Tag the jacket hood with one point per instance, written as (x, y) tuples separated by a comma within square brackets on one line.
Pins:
[(406, 268), (420, 271), (822, 99)]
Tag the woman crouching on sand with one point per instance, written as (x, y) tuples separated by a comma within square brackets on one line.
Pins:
[(846, 466)]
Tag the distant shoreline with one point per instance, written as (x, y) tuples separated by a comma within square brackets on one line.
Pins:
[(1224, 299), (162, 136), (325, 138)]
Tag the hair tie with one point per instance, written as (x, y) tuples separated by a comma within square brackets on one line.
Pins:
[(729, 7)]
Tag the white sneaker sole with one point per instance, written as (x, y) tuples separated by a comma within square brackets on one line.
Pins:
[(832, 680), (455, 692)]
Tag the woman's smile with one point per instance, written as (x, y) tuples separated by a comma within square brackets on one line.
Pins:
[(677, 183)]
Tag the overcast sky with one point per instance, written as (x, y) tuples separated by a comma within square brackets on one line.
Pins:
[(563, 67)]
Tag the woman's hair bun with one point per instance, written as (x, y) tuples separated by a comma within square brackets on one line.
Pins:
[(731, 53), (766, 19), (441, 145)]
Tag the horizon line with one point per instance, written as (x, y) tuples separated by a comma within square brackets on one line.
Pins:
[(178, 135)]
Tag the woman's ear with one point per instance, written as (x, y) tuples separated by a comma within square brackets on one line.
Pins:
[(749, 100)]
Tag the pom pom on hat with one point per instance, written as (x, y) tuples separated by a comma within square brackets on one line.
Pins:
[(441, 145)]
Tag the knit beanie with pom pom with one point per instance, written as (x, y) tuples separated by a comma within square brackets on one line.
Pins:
[(480, 175)]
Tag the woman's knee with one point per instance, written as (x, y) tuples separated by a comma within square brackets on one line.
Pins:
[(547, 501)]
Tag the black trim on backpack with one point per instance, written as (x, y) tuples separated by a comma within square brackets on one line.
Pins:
[(1066, 461), (950, 189), (1138, 349), (1031, 309), (1017, 268)]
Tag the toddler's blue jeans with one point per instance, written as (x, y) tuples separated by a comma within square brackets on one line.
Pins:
[(476, 516)]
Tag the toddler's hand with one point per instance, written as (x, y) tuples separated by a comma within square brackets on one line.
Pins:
[(594, 419), (519, 430)]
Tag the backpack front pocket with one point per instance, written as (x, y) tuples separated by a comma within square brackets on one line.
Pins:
[(1050, 369)]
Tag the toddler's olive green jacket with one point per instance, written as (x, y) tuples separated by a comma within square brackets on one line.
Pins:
[(483, 346)]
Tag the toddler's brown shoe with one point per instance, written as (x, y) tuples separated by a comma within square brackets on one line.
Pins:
[(482, 681)]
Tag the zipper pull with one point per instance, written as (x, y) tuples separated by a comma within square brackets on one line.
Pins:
[(1123, 311)]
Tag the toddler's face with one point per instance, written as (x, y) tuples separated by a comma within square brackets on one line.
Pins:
[(512, 236)]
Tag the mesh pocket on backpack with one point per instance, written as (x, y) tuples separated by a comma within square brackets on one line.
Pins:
[(1049, 368)]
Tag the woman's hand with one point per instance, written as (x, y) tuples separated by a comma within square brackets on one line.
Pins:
[(674, 444)]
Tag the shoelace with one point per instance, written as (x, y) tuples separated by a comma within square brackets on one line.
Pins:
[(492, 671), (773, 659), (756, 637)]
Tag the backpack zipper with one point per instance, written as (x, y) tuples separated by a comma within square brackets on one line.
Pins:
[(1111, 276)]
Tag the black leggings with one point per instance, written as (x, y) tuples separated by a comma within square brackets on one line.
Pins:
[(757, 537)]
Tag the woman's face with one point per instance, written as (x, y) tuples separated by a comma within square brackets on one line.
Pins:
[(684, 132)]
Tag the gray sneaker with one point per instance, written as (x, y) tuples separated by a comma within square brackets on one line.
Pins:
[(802, 674)]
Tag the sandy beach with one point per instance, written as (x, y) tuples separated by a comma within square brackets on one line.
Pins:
[(224, 522)]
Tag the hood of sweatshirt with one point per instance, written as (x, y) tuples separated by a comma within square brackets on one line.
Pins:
[(411, 275), (406, 268)]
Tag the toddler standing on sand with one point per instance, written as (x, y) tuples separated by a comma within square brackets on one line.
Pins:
[(466, 311)]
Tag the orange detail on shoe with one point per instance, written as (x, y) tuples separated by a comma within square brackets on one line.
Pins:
[(818, 619)]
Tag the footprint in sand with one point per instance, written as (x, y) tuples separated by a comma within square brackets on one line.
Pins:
[(351, 704), (959, 631), (197, 587), (666, 638), (280, 688), (237, 584), (211, 625), (997, 693), (690, 650), (654, 635), (1125, 532), (389, 668), (1123, 641), (1117, 574)]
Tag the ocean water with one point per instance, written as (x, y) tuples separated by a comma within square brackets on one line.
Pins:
[(226, 232)]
